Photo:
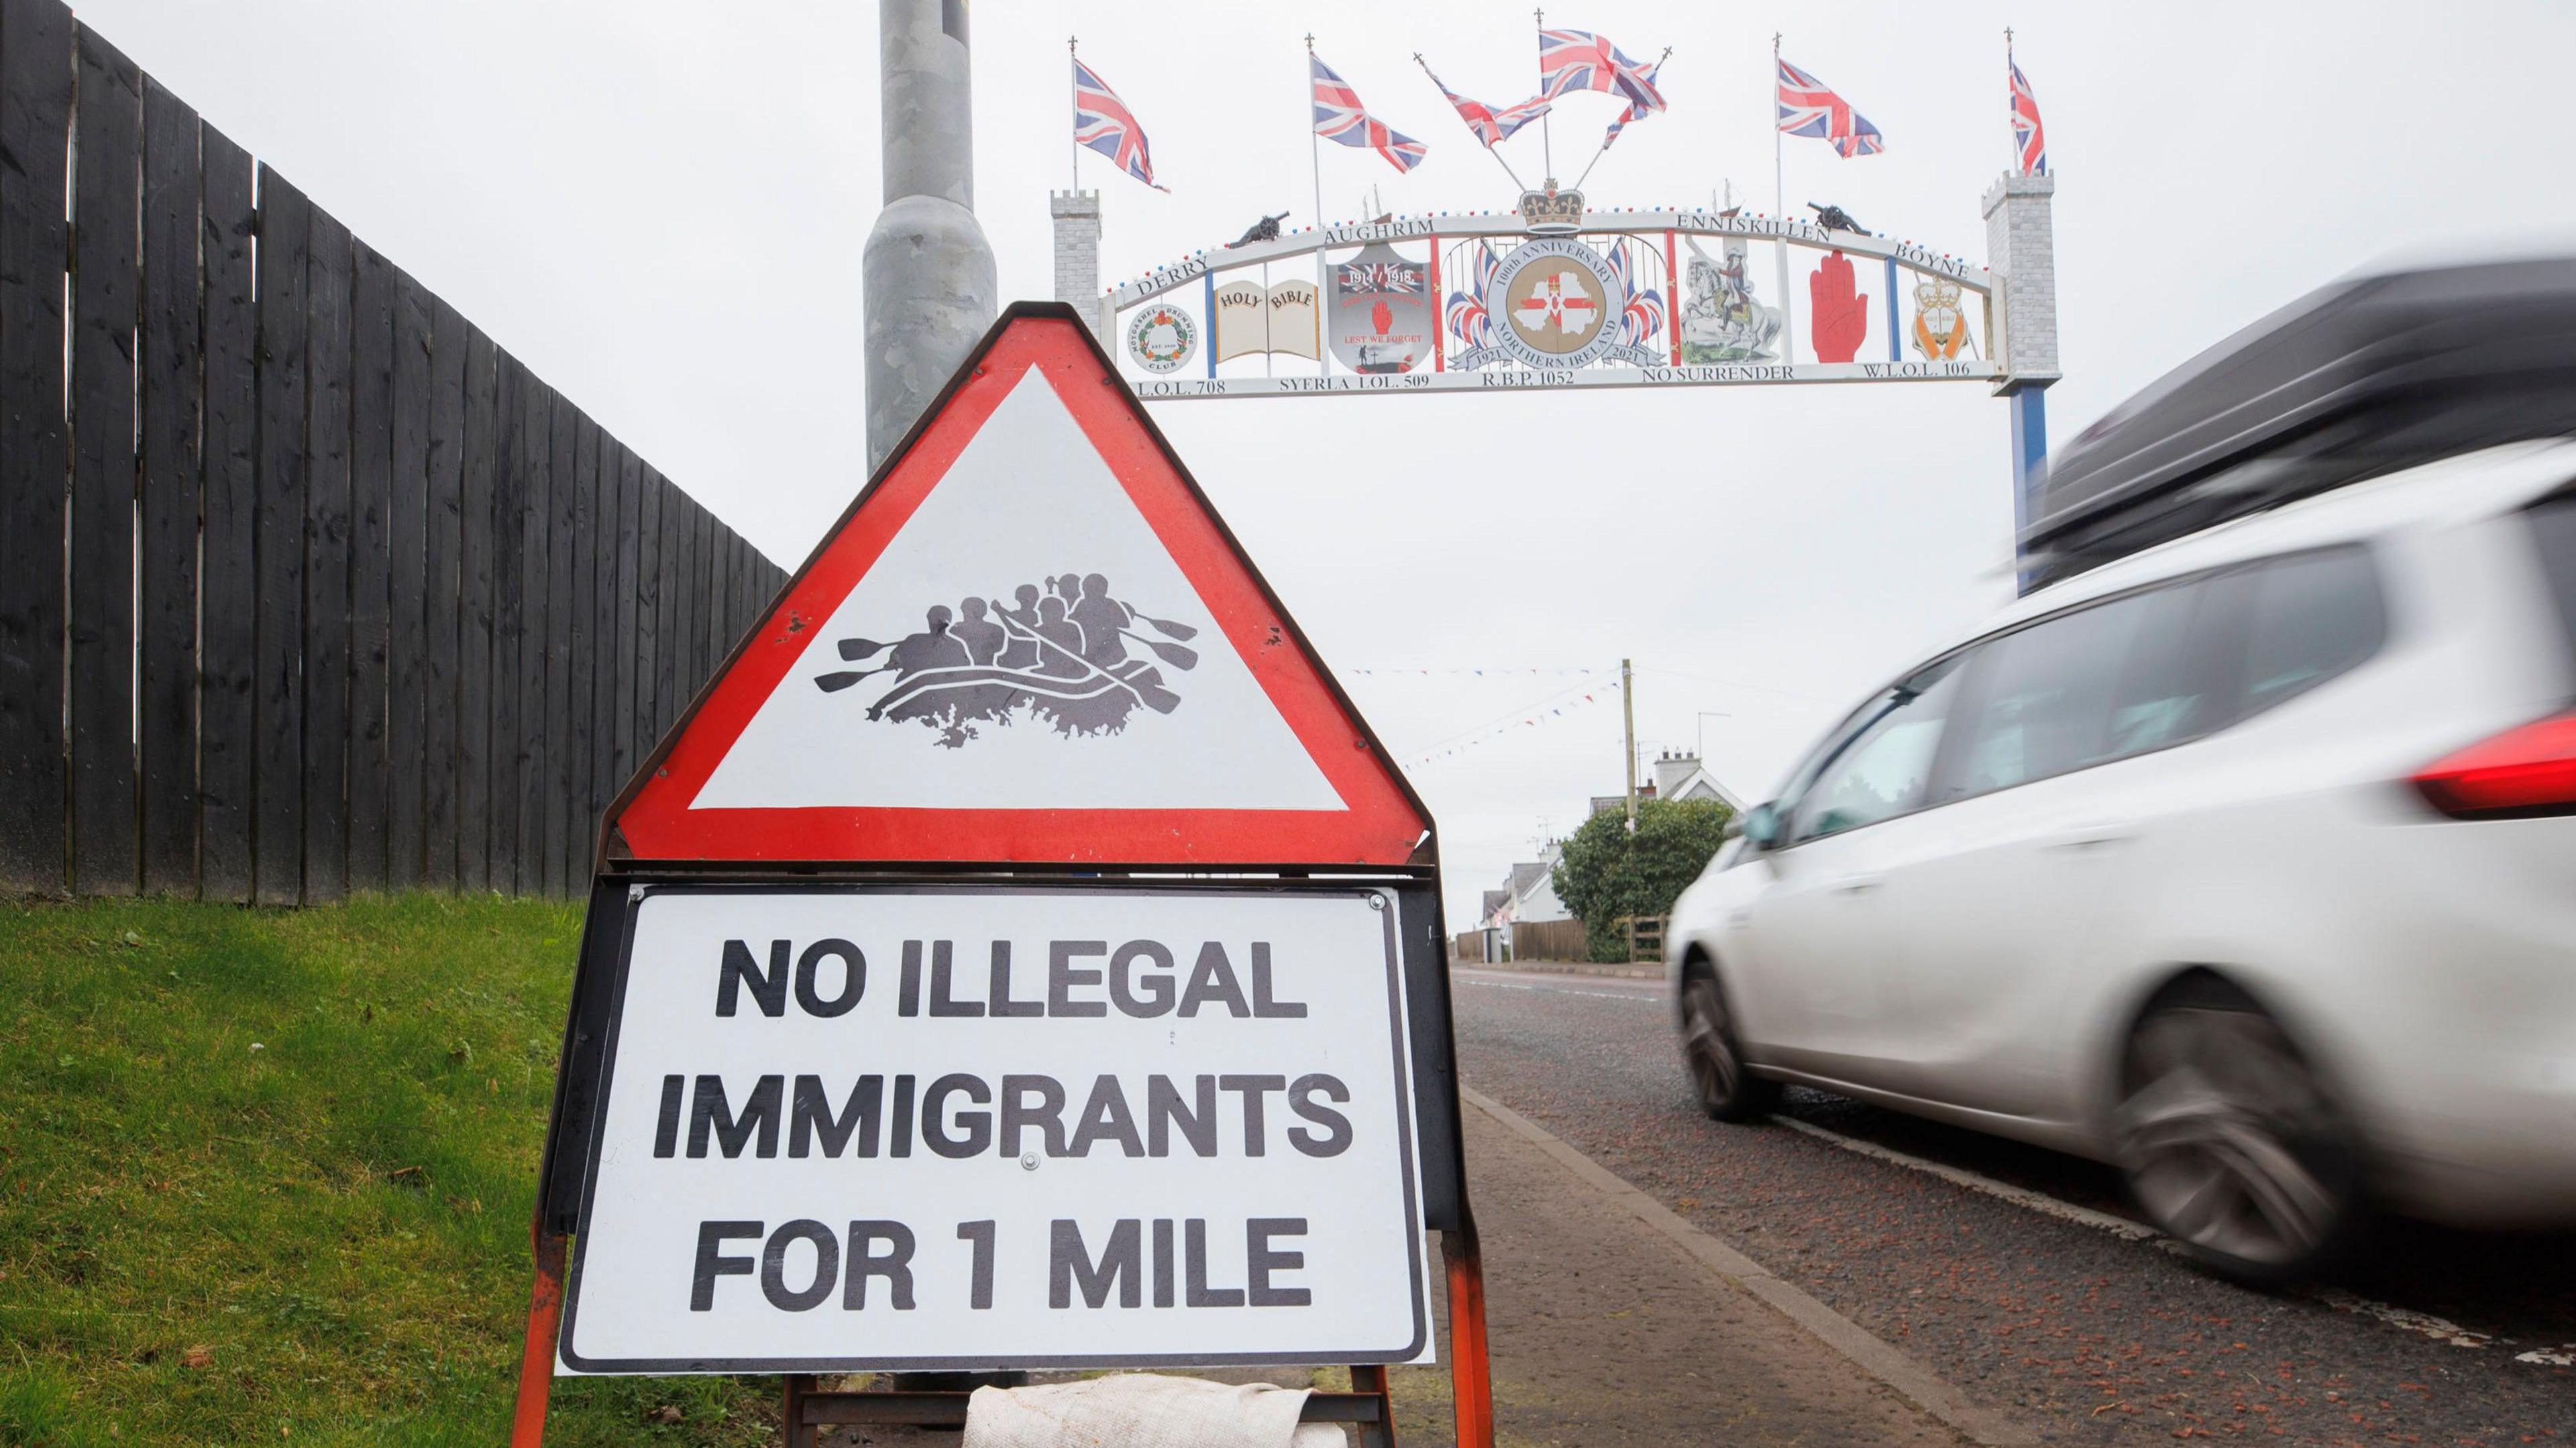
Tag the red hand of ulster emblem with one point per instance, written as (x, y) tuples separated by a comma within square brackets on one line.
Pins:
[(1841, 313)]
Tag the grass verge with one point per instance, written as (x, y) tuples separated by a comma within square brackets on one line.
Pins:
[(266, 1176)]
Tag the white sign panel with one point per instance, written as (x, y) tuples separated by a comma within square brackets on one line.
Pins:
[(882, 1127)]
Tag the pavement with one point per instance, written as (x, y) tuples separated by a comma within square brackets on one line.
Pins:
[(1632, 971), (2017, 1275), (1609, 1329)]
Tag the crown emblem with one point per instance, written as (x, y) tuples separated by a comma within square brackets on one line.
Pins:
[(1551, 212)]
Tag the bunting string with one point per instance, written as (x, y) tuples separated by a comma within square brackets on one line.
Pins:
[(1529, 716)]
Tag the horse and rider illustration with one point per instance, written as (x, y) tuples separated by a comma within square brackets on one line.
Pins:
[(1060, 650)]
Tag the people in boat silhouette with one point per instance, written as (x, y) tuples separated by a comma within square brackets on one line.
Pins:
[(982, 637), (1060, 653), (1101, 619), (932, 648)]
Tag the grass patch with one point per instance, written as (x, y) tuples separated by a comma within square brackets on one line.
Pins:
[(266, 1175)]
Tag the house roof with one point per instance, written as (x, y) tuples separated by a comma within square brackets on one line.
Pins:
[(1527, 877), (1703, 785), (1495, 900)]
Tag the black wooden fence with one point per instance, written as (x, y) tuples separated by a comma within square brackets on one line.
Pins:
[(305, 586)]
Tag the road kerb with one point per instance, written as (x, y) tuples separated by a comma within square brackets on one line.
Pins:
[(1862, 1348)]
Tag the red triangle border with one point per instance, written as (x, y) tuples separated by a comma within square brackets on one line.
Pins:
[(1384, 825)]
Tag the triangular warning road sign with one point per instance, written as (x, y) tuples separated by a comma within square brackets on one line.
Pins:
[(1030, 640)]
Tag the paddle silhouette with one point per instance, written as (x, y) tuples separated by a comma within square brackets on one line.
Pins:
[(1059, 656)]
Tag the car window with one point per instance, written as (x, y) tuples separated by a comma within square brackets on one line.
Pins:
[(2310, 616), (1883, 769), (2553, 526), (2045, 697), (1830, 748), (2171, 686), (2149, 670)]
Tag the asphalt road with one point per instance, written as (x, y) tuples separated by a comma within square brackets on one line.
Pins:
[(2088, 1335)]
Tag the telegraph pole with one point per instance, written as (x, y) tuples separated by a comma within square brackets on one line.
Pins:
[(1628, 708)]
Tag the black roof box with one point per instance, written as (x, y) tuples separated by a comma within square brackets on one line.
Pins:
[(2360, 378)]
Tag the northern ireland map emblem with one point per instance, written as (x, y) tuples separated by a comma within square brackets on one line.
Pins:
[(1066, 655)]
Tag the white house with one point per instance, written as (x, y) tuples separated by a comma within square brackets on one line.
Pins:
[(1533, 888), (1683, 776), (1675, 776)]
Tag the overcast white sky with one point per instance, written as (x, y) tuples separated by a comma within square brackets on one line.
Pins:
[(660, 206)]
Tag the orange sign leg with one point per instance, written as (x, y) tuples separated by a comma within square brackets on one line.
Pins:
[(1471, 1374), (537, 1357)]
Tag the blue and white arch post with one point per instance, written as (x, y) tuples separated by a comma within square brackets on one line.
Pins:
[(2021, 252)]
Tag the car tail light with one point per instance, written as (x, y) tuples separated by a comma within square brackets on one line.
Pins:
[(2529, 770)]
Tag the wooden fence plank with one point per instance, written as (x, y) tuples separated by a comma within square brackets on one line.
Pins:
[(737, 571), (711, 574), (692, 585), (407, 675), (509, 615), (581, 801), (635, 565), (702, 542), (680, 551), (666, 672), (278, 692), (327, 537), (228, 590), (371, 461), (106, 242), (563, 618), (477, 548), (728, 586), (171, 348), (722, 582), (703, 595), (35, 134), (648, 611), (606, 702), (536, 403), (440, 622)]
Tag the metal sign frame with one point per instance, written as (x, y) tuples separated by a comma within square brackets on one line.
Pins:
[(1442, 1199), (1415, 971)]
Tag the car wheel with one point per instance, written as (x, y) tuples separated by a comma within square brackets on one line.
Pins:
[(2230, 1143), (1727, 1090)]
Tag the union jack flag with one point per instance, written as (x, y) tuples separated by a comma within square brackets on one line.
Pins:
[(2028, 137), (1809, 107), (1573, 60), (1489, 124), (1468, 320), (1634, 112), (1641, 313), (1102, 121), (1340, 117)]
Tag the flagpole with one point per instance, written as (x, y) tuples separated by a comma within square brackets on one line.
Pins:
[(1604, 148), (2009, 138), (1546, 137), (1073, 89), (1315, 157), (1490, 151), (1314, 147), (1780, 210)]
